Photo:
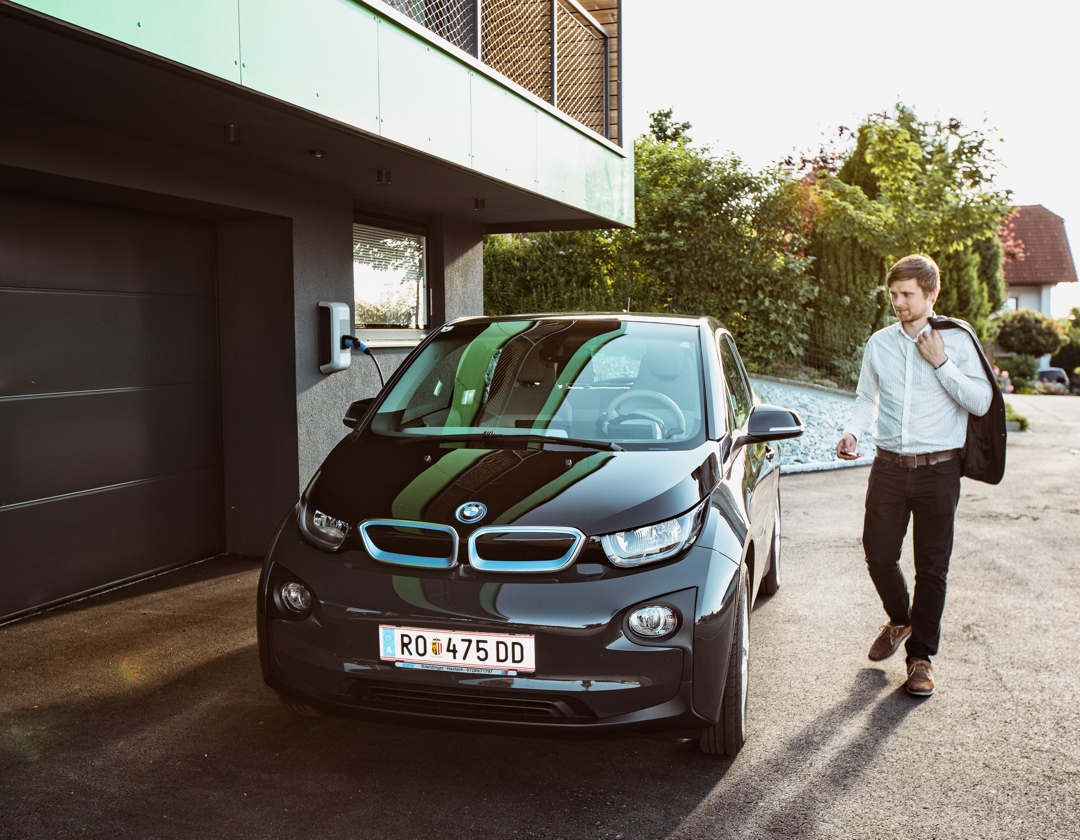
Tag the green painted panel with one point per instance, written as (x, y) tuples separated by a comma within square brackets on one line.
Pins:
[(320, 54), (609, 184), (561, 152), (424, 96), (503, 133), (203, 34)]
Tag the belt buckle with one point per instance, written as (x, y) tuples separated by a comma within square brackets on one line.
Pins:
[(909, 461)]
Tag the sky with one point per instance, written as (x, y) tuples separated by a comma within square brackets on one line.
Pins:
[(763, 79)]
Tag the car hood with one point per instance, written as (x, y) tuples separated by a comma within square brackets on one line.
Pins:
[(369, 476)]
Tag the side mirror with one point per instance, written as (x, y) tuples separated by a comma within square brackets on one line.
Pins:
[(770, 422), (356, 412)]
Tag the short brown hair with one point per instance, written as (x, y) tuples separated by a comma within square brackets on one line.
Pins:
[(919, 268)]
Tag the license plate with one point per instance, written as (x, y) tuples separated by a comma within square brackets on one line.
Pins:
[(496, 653)]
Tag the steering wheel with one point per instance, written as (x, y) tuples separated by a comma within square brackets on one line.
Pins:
[(663, 401)]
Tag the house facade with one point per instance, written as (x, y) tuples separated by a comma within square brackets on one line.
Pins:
[(1047, 259), (185, 188)]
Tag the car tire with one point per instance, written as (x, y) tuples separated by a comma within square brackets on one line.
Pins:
[(772, 579), (727, 736), (298, 707)]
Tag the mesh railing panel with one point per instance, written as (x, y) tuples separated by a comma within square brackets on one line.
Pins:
[(582, 53), (515, 39), (517, 42), (451, 20)]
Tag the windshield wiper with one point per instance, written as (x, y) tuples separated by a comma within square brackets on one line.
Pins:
[(532, 437)]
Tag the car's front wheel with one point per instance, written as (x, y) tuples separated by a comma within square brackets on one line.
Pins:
[(728, 735)]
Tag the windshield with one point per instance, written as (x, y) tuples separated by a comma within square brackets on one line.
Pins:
[(603, 381)]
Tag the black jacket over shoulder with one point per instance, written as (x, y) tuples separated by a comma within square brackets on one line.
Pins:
[(983, 456)]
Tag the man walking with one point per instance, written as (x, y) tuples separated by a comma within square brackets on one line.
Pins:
[(919, 384)]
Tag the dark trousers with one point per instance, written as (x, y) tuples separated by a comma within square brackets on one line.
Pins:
[(927, 496)]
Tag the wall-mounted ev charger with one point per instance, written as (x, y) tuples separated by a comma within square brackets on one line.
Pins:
[(335, 322), (335, 342)]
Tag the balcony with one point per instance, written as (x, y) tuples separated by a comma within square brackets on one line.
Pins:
[(563, 51)]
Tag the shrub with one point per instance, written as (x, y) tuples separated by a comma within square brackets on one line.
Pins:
[(1010, 414), (1023, 366), (1029, 332)]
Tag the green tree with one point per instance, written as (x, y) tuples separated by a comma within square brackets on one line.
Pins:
[(558, 271), (911, 186), (1068, 357), (713, 237), (663, 128), (1029, 332)]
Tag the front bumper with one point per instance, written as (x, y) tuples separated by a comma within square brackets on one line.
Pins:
[(591, 673)]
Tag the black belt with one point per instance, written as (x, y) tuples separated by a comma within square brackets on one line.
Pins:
[(925, 460)]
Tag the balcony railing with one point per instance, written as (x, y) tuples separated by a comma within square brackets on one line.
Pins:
[(554, 49)]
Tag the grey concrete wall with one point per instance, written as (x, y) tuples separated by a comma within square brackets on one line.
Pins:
[(285, 244), (455, 272), (258, 394), (462, 266)]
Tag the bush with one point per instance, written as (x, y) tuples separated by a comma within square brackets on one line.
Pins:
[(1010, 414), (1068, 357), (1029, 332), (1023, 366)]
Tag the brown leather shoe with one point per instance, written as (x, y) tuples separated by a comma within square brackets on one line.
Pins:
[(888, 640), (920, 678)]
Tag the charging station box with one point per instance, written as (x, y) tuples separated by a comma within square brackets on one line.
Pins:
[(335, 321)]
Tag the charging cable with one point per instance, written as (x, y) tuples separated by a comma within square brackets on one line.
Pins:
[(351, 342)]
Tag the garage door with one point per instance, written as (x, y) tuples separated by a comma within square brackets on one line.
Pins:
[(110, 442)]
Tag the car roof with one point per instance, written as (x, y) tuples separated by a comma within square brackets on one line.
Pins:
[(642, 317)]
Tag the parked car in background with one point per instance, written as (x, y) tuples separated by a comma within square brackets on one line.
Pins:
[(1053, 380), (549, 523)]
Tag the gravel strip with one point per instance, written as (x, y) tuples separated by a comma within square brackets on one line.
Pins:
[(824, 411)]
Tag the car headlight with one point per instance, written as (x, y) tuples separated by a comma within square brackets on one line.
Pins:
[(321, 529), (653, 543)]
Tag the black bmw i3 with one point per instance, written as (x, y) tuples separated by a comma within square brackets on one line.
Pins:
[(548, 523)]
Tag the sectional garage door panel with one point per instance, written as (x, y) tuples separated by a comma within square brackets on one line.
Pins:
[(83, 542), (109, 397), (94, 340), (51, 244), (102, 438)]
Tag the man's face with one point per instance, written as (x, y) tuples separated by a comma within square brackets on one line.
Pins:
[(910, 303)]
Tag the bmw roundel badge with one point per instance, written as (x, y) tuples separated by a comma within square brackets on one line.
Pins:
[(471, 512)]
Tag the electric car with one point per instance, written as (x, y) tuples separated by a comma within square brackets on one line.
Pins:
[(543, 523)]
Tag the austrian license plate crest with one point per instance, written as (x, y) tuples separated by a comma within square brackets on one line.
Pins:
[(443, 650)]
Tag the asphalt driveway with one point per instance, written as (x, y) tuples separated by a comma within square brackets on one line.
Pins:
[(142, 713)]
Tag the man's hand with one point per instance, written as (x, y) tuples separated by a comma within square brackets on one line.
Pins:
[(845, 449), (932, 347)]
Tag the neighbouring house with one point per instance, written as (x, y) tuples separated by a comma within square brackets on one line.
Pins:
[(185, 183), (1047, 259)]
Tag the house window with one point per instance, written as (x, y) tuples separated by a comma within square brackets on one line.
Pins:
[(390, 283)]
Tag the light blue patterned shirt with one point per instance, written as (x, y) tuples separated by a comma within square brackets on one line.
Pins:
[(918, 409)]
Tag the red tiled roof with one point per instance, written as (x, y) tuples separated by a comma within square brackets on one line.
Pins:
[(1048, 259)]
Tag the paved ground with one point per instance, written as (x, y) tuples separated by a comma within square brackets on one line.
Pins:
[(141, 713)]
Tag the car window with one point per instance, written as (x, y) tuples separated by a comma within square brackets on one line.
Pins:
[(740, 400)]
